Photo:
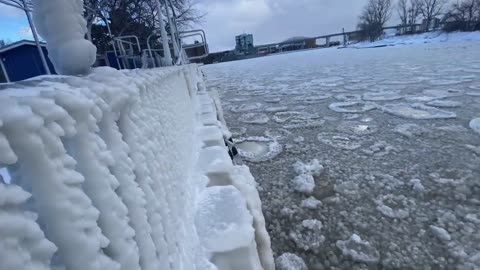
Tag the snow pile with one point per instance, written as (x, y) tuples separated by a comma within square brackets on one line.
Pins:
[(106, 159), (63, 27)]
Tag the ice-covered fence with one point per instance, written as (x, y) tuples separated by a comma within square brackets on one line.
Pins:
[(124, 170)]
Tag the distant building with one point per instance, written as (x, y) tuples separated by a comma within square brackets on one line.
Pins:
[(244, 43)]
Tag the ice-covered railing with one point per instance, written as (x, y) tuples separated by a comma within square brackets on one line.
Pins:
[(123, 170)]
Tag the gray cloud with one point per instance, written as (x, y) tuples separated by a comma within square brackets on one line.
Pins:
[(275, 20)]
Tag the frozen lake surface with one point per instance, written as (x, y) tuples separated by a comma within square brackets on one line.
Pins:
[(396, 133)]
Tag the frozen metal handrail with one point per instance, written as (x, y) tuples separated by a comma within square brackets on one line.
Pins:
[(196, 32)]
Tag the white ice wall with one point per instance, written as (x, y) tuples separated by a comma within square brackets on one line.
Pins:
[(124, 169)]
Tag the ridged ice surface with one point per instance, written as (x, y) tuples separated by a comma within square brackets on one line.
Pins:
[(103, 172), (397, 132)]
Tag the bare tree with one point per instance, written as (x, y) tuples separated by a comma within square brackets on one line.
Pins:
[(414, 11), (431, 9), (408, 12), (402, 11), (374, 16), (464, 16)]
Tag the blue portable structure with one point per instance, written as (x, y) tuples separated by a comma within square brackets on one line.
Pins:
[(21, 60)]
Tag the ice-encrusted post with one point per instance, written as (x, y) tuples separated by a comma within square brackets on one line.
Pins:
[(61, 24), (163, 32)]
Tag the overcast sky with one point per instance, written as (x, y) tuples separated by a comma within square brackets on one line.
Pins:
[(275, 20), (268, 20)]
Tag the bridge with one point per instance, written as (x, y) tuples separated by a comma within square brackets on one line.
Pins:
[(346, 36)]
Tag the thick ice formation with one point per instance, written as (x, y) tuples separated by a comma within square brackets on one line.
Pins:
[(22, 242), (359, 250), (222, 220), (105, 159), (289, 261), (63, 27)]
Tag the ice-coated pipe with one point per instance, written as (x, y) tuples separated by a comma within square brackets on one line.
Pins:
[(61, 24)]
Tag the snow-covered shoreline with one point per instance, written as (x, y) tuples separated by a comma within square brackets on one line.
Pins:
[(430, 37)]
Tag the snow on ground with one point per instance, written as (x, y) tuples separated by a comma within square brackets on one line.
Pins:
[(394, 130), (432, 37)]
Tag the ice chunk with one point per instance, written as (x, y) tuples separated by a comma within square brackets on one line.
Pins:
[(247, 107), (358, 249), (254, 118), (304, 183), (382, 96), (440, 233), (417, 111), (299, 139), (258, 149), (379, 149), (416, 185), (444, 103), (312, 99), (393, 206), (289, 261), (311, 203), (356, 128), (337, 141), (307, 235), (409, 130), (222, 220), (352, 106), (312, 224), (312, 168), (277, 109), (475, 125), (349, 97)]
